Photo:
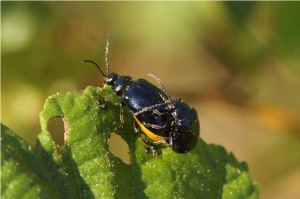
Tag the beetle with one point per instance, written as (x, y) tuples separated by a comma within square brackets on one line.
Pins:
[(161, 118)]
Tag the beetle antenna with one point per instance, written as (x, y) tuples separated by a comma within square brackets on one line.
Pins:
[(106, 58), (106, 53), (96, 66), (160, 83)]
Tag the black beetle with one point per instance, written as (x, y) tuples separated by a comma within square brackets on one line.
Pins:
[(161, 118)]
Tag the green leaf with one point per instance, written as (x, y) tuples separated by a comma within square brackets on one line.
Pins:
[(22, 175), (83, 166)]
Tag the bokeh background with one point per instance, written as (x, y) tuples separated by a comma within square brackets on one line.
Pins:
[(237, 63)]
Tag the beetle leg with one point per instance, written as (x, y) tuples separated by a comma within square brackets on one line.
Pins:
[(157, 112), (121, 112), (101, 103), (151, 108), (153, 126), (121, 117), (164, 142), (136, 128)]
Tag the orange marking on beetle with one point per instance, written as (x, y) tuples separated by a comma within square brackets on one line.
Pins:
[(152, 136)]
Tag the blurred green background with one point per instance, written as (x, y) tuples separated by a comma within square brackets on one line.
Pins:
[(237, 63)]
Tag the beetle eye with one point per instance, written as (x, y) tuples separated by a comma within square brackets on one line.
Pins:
[(111, 78)]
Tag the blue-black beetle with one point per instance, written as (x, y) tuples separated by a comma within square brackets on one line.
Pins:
[(161, 118)]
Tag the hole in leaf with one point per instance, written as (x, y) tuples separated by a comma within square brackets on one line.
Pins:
[(119, 148), (57, 130)]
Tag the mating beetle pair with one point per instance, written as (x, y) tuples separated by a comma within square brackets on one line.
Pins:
[(161, 118)]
